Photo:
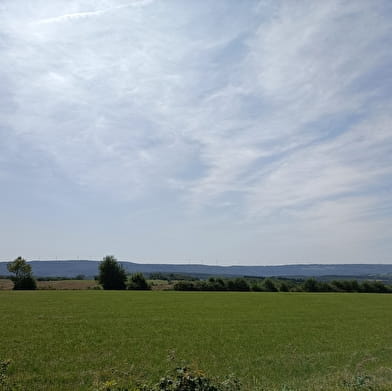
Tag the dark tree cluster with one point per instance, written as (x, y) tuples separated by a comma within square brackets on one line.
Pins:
[(22, 275), (282, 285), (239, 284), (312, 285), (112, 276), (138, 282), (214, 284), (171, 276)]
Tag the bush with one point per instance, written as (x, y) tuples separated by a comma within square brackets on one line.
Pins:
[(185, 286), (283, 287), (26, 283), (238, 284), (4, 382), (138, 282), (374, 287), (183, 379), (310, 285), (256, 287), (186, 379), (269, 285)]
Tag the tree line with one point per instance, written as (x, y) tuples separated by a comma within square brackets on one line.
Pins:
[(112, 276), (282, 285)]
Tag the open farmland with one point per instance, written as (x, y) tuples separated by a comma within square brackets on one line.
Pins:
[(57, 284), (67, 340)]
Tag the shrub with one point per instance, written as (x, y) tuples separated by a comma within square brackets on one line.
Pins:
[(183, 379), (185, 286), (238, 284), (26, 283), (310, 285), (283, 287), (256, 287), (138, 282), (186, 379), (269, 285), (4, 383)]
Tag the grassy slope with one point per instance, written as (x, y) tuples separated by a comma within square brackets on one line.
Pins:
[(64, 340)]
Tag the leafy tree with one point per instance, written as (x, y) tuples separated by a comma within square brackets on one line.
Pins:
[(256, 287), (185, 286), (138, 282), (284, 287), (23, 278), (310, 285), (112, 275), (269, 285), (238, 284)]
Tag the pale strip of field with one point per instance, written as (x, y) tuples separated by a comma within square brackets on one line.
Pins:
[(5, 284), (57, 285)]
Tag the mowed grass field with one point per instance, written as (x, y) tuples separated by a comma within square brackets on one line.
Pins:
[(67, 340)]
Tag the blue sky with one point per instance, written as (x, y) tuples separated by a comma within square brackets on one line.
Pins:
[(219, 132)]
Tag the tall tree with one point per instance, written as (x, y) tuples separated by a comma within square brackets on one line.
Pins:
[(23, 277), (112, 275)]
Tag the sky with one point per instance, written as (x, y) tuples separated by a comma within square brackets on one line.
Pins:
[(219, 132)]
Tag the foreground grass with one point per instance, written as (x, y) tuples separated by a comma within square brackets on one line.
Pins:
[(67, 340)]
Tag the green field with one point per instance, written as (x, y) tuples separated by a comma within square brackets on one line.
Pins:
[(67, 340)]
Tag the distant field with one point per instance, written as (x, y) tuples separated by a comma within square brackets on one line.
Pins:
[(5, 284), (66, 340), (60, 285), (67, 284)]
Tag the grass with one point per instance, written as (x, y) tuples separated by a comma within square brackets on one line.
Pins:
[(67, 340)]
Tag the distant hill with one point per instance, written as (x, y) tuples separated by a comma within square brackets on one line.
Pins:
[(72, 268)]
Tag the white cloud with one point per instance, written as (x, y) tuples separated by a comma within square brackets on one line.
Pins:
[(279, 111)]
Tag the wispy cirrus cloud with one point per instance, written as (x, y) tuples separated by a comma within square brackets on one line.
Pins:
[(88, 14), (278, 115)]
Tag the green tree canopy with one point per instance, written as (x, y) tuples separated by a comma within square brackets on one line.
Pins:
[(269, 285), (138, 282), (23, 277), (112, 275)]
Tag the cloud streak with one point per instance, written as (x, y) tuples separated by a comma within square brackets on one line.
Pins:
[(272, 121), (88, 14)]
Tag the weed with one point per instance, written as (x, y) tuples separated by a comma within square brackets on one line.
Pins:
[(4, 381), (183, 379)]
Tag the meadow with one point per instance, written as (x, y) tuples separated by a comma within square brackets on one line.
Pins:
[(70, 340)]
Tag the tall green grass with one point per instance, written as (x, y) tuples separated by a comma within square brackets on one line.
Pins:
[(67, 340)]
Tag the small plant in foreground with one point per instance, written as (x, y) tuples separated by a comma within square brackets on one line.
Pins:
[(4, 383), (186, 379), (183, 379), (359, 383)]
